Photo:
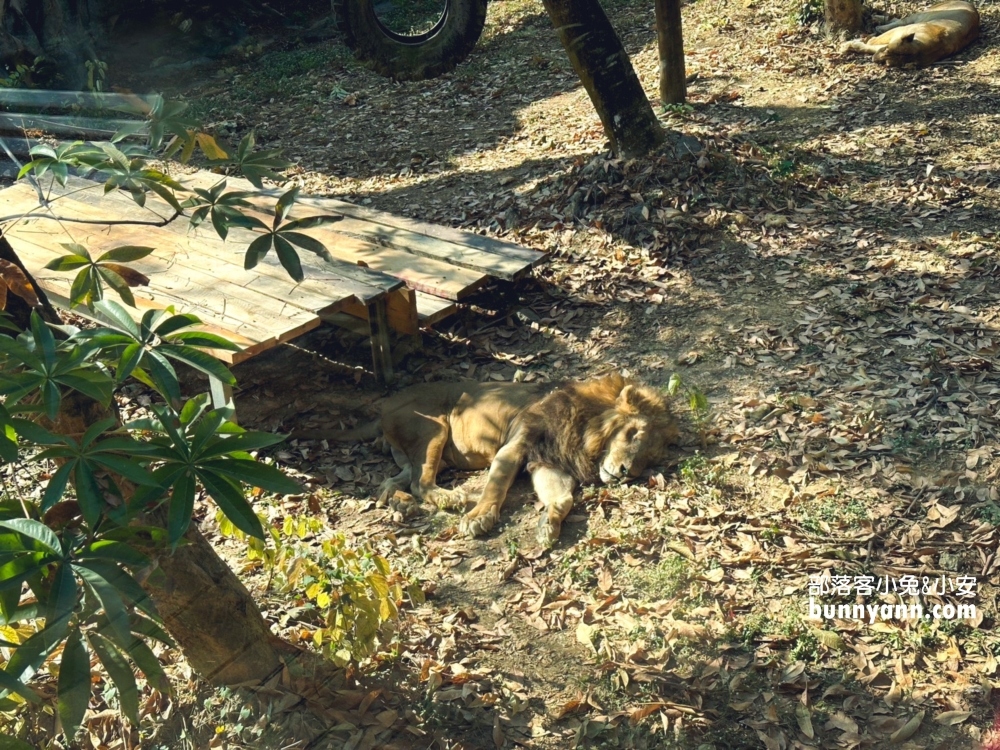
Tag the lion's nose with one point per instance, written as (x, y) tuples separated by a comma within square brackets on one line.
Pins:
[(623, 472)]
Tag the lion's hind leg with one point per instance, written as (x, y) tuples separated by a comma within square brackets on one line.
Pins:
[(555, 489), (424, 457)]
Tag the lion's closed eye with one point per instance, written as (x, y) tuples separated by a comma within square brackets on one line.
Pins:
[(631, 434)]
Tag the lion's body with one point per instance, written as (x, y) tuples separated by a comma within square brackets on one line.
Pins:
[(922, 38), (607, 429)]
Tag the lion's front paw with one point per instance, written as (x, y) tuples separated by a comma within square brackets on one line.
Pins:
[(548, 531), (446, 499), (403, 506), (479, 520)]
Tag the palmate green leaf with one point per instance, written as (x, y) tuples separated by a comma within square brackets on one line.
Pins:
[(117, 283), (289, 257), (284, 205), (68, 263), (245, 441), (163, 375), (310, 244), (125, 254), (129, 360), (122, 582), (199, 360), (74, 683), (56, 487), (149, 664), (181, 506), (10, 684), (174, 323), (113, 551), (150, 629), (257, 250), (111, 601), (119, 317), (31, 654), (121, 675), (35, 530), (255, 474), (88, 493), (90, 381), (83, 290), (63, 594), (204, 340), (228, 495), (45, 342)]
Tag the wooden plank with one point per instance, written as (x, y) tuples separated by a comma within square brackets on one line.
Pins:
[(11, 99), (378, 333), (66, 126), (431, 309), (208, 253), (221, 321), (425, 274), (335, 280), (504, 250), (206, 289), (401, 311), (58, 290), (465, 250)]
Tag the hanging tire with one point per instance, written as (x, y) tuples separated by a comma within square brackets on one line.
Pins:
[(414, 57)]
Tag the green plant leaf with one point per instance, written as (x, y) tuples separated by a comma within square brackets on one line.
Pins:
[(231, 500), (255, 474), (35, 530), (74, 684), (121, 675), (125, 254)]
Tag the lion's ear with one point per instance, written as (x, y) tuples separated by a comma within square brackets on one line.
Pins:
[(908, 39), (626, 397), (629, 399)]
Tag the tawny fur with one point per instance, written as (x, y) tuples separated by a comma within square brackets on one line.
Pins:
[(607, 428), (922, 38)]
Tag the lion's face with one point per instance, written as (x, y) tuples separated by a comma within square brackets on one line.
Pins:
[(640, 430), (899, 51)]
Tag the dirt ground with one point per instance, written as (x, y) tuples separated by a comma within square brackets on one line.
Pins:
[(815, 250)]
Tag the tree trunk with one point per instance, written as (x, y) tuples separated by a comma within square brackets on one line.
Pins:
[(210, 614), (600, 61), (60, 31), (206, 609), (844, 16), (670, 41)]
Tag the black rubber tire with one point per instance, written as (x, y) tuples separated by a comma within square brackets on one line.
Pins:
[(411, 58)]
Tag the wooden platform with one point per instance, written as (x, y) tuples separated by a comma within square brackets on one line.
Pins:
[(392, 272)]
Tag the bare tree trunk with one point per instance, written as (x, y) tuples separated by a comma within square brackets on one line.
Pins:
[(599, 59), (60, 31), (844, 16), (210, 614), (670, 41), (206, 609)]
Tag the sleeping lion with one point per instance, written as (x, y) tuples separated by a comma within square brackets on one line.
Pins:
[(922, 38), (607, 429)]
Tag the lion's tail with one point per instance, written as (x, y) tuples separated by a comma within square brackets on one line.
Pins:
[(368, 431)]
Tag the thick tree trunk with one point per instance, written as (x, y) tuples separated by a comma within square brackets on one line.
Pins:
[(670, 41), (205, 607), (210, 613), (62, 32), (844, 16), (599, 59)]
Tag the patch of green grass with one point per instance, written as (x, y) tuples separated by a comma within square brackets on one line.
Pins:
[(990, 512), (697, 469), (837, 512), (269, 75), (663, 580)]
